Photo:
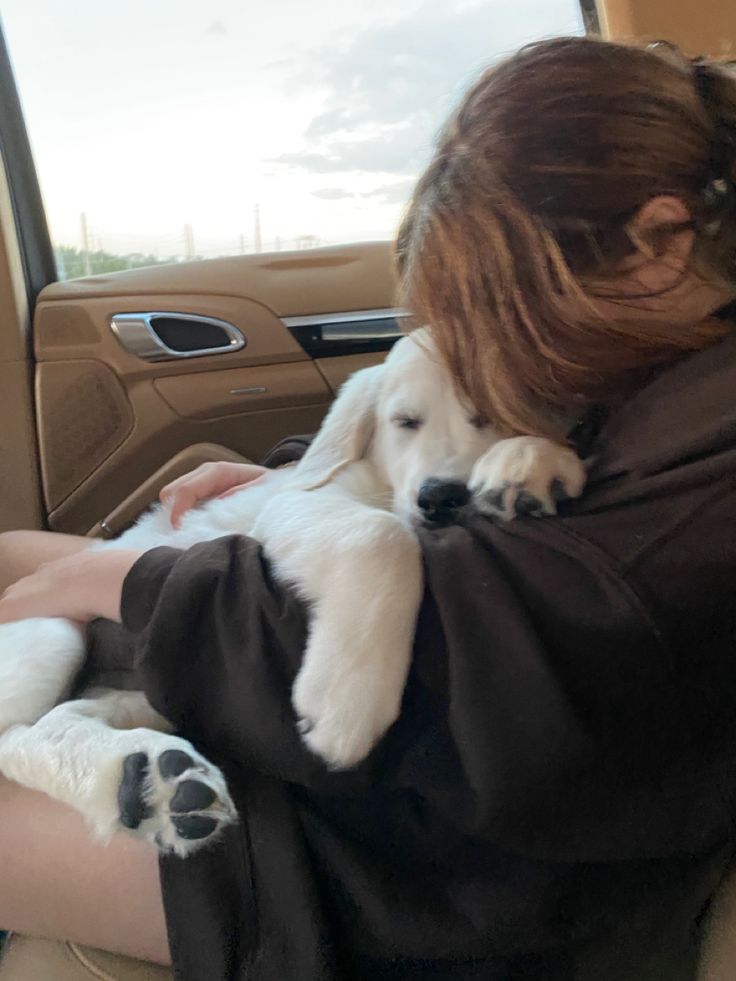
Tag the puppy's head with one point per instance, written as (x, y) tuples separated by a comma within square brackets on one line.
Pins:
[(404, 418), (425, 440)]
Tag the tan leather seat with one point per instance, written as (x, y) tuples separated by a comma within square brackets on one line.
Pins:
[(30, 959)]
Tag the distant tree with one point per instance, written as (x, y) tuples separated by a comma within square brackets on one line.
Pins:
[(71, 263)]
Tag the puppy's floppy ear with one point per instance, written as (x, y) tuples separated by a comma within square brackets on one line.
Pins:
[(346, 432)]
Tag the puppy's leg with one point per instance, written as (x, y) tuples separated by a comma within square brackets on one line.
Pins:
[(360, 570), (92, 755), (525, 475), (38, 661)]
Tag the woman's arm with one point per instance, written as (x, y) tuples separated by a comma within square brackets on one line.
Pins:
[(22, 552), (79, 587), (544, 708)]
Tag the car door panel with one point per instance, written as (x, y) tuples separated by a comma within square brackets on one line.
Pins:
[(109, 418), (336, 371)]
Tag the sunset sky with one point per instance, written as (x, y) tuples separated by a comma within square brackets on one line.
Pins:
[(149, 115)]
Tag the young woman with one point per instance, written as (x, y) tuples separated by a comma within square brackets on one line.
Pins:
[(557, 800)]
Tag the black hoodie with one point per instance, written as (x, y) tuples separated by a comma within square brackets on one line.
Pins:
[(556, 800)]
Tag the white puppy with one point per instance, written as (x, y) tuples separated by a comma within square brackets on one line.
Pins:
[(397, 449)]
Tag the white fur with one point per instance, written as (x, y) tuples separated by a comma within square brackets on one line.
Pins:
[(525, 463), (339, 528), (38, 661)]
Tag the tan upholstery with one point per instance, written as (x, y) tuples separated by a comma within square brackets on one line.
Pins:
[(29, 959), (107, 418)]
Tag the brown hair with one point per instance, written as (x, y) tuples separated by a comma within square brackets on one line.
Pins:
[(531, 188)]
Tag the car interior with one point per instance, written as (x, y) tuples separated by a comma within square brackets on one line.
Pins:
[(113, 384)]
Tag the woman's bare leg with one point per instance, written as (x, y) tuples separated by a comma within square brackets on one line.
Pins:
[(56, 881), (22, 552)]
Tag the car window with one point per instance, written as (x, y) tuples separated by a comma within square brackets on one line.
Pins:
[(168, 130)]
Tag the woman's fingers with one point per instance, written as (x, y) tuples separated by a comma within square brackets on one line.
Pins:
[(181, 501), (208, 480), (247, 483)]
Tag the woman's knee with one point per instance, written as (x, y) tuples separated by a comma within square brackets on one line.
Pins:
[(22, 552), (12, 544), (60, 883)]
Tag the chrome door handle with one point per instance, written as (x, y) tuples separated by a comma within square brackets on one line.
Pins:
[(152, 336)]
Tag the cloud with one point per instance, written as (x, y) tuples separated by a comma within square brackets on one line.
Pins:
[(390, 88), (396, 193), (387, 151), (332, 194), (217, 27)]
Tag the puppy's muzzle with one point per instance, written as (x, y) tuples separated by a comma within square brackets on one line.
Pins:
[(440, 500)]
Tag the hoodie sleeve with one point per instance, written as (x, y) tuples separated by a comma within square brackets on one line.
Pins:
[(543, 710), (217, 648), (571, 727)]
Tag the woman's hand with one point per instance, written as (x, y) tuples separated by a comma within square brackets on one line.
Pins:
[(208, 480), (78, 587)]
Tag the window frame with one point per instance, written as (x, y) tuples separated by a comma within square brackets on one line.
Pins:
[(36, 251)]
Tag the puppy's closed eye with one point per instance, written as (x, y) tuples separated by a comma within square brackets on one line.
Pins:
[(404, 421)]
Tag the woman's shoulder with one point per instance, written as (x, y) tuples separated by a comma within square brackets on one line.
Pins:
[(652, 540), (663, 467), (685, 417)]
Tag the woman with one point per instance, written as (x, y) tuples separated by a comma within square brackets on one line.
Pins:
[(558, 797)]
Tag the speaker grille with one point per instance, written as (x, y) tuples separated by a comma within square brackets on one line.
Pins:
[(84, 415)]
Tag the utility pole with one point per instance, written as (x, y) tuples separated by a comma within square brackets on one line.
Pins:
[(257, 230), (242, 244), (85, 245), (188, 241)]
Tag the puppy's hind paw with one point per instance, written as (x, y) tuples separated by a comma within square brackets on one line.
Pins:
[(173, 798)]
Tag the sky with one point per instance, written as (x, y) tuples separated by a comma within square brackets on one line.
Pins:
[(150, 115)]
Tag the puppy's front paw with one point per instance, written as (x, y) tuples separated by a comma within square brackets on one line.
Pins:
[(525, 475), (343, 714), (172, 797)]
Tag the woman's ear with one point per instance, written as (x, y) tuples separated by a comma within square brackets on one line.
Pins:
[(663, 237)]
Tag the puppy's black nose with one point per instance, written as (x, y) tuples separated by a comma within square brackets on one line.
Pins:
[(438, 498)]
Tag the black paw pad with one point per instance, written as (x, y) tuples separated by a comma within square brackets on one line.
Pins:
[(194, 826), (192, 796), (494, 498), (557, 490), (173, 762), (527, 503), (131, 805)]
